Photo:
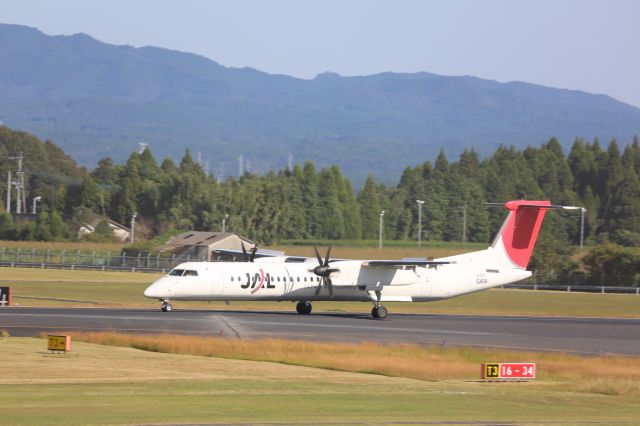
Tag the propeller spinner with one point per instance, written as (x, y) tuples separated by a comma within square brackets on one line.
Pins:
[(324, 271)]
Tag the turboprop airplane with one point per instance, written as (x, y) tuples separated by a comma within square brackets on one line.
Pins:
[(308, 279)]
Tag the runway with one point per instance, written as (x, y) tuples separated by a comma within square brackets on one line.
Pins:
[(580, 335)]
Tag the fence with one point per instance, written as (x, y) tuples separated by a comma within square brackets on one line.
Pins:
[(63, 259), (576, 288)]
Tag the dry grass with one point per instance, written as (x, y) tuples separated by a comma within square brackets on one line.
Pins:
[(603, 375), (32, 275)]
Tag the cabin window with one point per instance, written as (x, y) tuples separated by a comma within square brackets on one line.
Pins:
[(305, 279), (231, 279), (278, 278), (177, 272), (298, 279)]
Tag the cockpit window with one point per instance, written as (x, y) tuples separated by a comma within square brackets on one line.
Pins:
[(184, 272), (191, 273), (177, 272)]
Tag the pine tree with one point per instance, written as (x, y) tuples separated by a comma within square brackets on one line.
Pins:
[(369, 203)]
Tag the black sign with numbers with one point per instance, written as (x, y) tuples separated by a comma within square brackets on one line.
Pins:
[(5, 296)]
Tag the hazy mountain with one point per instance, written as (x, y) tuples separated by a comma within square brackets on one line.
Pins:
[(96, 100)]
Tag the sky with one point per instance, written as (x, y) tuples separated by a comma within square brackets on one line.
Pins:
[(587, 45)]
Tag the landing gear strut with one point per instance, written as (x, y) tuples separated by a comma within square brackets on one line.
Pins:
[(378, 311), (166, 306), (303, 307)]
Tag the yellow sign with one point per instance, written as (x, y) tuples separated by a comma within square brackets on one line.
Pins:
[(59, 343), (491, 370)]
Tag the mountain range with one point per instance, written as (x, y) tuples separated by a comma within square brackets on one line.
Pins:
[(96, 100)]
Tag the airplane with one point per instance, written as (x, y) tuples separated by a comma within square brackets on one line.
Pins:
[(277, 277)]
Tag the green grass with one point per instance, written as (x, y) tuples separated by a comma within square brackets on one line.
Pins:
[(96, 384), (35, 287)]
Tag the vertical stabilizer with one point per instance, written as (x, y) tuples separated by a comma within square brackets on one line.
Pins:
[(520, 230)]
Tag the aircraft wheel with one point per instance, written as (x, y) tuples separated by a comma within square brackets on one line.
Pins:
[(382, 312), (374, 312), (304, 308), (166, 307)]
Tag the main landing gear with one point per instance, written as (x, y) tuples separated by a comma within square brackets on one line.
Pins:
[(166, 306), (303, 308), (379, 312)]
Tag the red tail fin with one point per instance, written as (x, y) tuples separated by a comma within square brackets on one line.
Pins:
[(520, 230)]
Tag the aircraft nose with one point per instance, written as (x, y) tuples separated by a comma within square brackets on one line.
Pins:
[(151, 292)]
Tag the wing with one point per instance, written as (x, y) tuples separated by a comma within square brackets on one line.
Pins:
[(261, 253), (403, 262)]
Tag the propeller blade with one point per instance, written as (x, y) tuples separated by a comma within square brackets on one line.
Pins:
[(326, 259), (253, 253), (317, 255), (244, 253)]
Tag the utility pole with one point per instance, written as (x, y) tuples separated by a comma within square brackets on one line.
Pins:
[(21, 199), (583, 211), (380, 230), (420, 203), (133, 227), (224, 223), (464, 224)]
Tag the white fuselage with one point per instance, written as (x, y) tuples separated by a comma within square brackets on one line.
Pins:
[(274, 279)]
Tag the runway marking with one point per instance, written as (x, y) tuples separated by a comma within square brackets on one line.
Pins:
[(112, 317), (150, 330), (381, 329)]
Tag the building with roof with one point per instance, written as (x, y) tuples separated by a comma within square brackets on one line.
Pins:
[(200, 245)]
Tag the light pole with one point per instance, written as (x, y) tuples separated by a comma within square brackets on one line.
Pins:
[(583, 211), (420, 203), (380, 230), (33, 206), (224, 223), (133, 227)]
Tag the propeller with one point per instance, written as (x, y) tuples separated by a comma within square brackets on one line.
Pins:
[(249, 257), (324, 271)]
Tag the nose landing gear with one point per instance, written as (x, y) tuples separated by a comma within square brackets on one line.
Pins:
[(166, 306)]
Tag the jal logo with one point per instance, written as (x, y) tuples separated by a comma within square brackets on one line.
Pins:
[(258, 281)]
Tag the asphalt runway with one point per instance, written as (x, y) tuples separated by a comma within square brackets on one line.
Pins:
[(580, 335)]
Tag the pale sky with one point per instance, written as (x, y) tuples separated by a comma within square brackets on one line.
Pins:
[(575, 44)]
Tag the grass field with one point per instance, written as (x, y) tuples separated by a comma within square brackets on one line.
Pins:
[(36, 287), (95, 384)]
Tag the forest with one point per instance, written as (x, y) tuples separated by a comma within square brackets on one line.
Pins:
[(310, 204)]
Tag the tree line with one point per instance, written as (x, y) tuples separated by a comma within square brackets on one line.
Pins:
[(307, 203)]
